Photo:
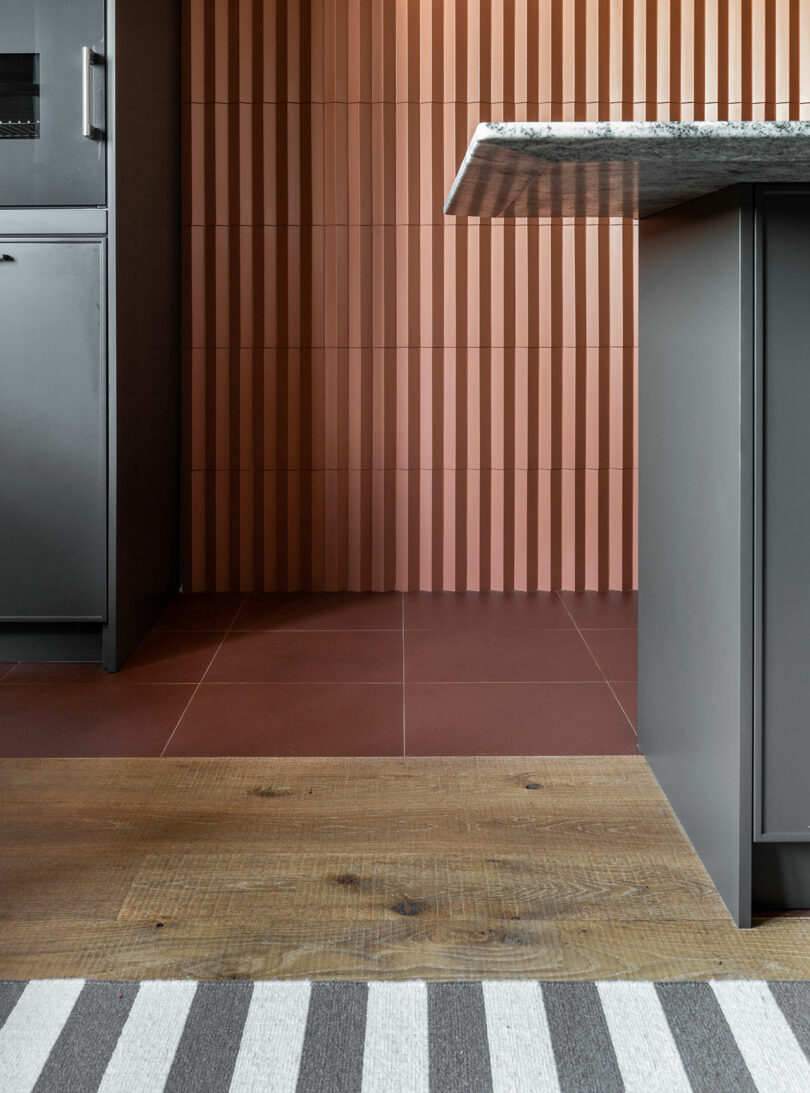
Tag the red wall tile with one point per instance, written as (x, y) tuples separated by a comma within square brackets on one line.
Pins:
[(377, 396)]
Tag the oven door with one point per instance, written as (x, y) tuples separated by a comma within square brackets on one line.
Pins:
[(52, 103)]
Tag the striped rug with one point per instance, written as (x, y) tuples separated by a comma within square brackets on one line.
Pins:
[(77, 1036)]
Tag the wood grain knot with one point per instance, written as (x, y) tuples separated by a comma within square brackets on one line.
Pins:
[(348, 880), (268, 791), (533, 785), (407, 907)]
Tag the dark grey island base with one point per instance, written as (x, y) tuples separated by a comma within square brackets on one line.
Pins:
[(724, 461)]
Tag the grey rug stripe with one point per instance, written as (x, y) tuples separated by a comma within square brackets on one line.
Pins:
[(70, 1036), (86, 1043), (708, 1050), (583, 1050), (206, 1054), (792, 999), (334, 1039), (457, 1039), (10, 991)]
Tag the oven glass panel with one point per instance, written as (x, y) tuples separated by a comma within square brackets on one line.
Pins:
[(19, 96)]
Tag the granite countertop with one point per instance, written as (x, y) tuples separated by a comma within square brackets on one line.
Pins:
[(627, 169)]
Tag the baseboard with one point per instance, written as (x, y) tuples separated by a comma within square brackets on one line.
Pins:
[(50, 641)]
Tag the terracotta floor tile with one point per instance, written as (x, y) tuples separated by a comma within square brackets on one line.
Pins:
[(171, 656), (515, 719), (290, 719), (85, 719), (306, 656), (472, 656), (301, 690), (164, 656), (598, 609), (488, 610), (200, 611), (627, 694), (616, 652), (322, 611)]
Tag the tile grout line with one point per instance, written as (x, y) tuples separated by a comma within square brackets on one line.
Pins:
[(598, 665), (327, 682), (205, 673), (621, 706), (416, 468), (376, 683), (388, 629), (298, 629)]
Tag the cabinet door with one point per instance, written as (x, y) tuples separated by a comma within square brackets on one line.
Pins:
[(52, 150), (783, 758), (52, 431)]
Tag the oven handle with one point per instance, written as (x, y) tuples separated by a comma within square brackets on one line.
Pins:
[(89, 58)]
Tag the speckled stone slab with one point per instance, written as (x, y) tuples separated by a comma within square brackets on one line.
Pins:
[(627, 169)]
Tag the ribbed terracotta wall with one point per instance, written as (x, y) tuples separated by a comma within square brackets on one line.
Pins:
[(377, 396)]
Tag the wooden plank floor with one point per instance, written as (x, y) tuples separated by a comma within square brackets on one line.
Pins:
[(361, 868)]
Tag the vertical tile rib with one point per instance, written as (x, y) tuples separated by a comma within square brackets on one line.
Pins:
[(375, 395)]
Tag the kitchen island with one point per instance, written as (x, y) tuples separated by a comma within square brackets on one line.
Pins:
[(724, 458)]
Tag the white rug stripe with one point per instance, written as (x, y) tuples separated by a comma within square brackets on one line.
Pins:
[(765, 1039), (396, 1045), (270, 1052), (520, 1050), (647, 1055), (31, 1030), (148, 1042)]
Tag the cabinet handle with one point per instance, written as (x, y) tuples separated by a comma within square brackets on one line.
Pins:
[(89, 58), (6, 258)]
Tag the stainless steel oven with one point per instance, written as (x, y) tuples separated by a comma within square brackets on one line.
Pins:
[(52, 103)]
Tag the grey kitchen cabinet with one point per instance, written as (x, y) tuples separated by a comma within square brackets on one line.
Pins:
[(45, 77), (53, 432), (724, 533), (723, 212), (89, 325), (782, 727), (696, 532)]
